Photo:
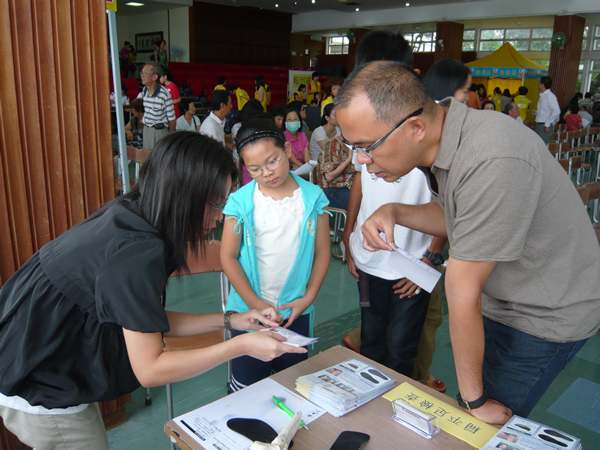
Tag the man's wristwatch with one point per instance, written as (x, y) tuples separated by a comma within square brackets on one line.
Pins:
[(227, 320), (474, 404), (435, 258)]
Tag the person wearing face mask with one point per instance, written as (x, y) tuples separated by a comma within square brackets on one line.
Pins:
[(297, 139)]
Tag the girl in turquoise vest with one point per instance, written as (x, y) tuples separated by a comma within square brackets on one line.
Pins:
[(275, 245)]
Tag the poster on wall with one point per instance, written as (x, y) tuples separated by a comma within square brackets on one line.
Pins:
[(296, 78), (144, 41)]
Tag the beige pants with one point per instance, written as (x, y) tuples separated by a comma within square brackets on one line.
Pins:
[(151, 136), (83, 430)]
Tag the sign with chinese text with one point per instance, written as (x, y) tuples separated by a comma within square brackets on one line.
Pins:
[(452, 420), (111, 5)]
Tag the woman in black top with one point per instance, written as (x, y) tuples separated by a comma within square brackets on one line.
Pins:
[(82, 321)]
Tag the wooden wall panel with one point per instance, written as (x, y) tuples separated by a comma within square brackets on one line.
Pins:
[(55, 135)]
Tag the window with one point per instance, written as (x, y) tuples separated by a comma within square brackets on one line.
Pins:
[(468, 44), (522, 39), (597, 38), (337, 45), (586, 35), (542, 62), (580, 75), (422, 42)]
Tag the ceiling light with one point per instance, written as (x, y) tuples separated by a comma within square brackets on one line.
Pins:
[(408, 4), (313, 1), (357, 9), (134, 4), (276, 5)]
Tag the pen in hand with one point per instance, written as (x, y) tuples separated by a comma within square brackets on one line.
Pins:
[(287, 410)]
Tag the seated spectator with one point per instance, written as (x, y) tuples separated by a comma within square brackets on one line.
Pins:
[(297, 139), (214, 124), (586, 100), (298, 95), (333, 86), (335, 172), (328, 130), (596, 112), (188, 121), (473, 97), (574, 102), (278, 112), (250, 109), (299, 106), (488, 105), (124, 97), (134, 130), (513, 110), (167, 81), (586, 117), (573, 121)]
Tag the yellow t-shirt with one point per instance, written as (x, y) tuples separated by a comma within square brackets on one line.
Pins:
[(220, 87), (268, 92), (326, 102), (497, 102), (241, 101), (523, 103), (298, 94), (312, 87), (264, 100)]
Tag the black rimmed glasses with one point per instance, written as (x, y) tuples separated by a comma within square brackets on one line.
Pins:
[(366, 151), (272, 165)]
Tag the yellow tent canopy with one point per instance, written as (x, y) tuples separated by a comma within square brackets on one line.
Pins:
[(506, 68)]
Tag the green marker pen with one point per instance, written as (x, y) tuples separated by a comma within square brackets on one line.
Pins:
[(287, 410)]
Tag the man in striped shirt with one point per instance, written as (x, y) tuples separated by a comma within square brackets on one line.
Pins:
[(159, 115)]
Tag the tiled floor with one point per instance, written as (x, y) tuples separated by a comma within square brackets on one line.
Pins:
[(337, 313)]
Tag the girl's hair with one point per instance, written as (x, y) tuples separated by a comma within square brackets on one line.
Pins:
[(446, 77), (334, 81), (250, 109), (278, 110), (222, 79), (168, 74), (291, 110), (302, 86), (497, 91), (184, 171), (256, 129), (184, 106), (326, 113), (506, 93), (138, 105), (260, 80), (481, 86)]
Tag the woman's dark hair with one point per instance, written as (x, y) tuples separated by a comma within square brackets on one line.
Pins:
[(446, 77), (260, 80), (222, 79), (497, 91), (184, 106), (138, 105), (256, 129), (523, 90), (488, 102), (291, 110), (326, 113), (278, 110), (506, 93), (124, 88), (481, 86), (249, 110), (315, 74), (184, 171), (302, 86), (168, 74)]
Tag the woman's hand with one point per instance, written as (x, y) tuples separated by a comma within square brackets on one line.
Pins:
[(249, 320), (265, 345), (298, 307)]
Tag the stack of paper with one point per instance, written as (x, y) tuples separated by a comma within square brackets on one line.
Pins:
[(344, 387), (524, 434)]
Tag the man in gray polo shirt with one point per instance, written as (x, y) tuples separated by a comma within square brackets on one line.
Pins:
[(159, 115), (522, 249)]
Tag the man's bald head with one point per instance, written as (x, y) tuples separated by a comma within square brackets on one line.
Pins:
[(392, 90)]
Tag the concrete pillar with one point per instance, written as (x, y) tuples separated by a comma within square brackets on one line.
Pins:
[(451, 33)]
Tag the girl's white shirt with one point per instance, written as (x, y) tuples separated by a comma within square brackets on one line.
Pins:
[(277, 229)]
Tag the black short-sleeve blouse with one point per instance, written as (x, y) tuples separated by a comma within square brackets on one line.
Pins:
[(62, 314)]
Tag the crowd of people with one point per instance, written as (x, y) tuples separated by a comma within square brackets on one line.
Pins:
[(420, 161)]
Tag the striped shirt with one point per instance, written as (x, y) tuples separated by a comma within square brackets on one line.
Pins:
[(158, 107)]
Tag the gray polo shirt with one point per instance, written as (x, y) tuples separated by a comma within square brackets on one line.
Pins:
[(507, 200)]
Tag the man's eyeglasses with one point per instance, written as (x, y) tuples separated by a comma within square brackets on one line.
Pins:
[(220, 207), (272, 165), (366, 151)]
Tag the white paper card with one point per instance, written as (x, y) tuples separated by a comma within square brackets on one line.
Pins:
[(424, 276)]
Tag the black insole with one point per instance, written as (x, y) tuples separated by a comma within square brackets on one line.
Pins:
[(350, 440), (558, 435), (254, 429)]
